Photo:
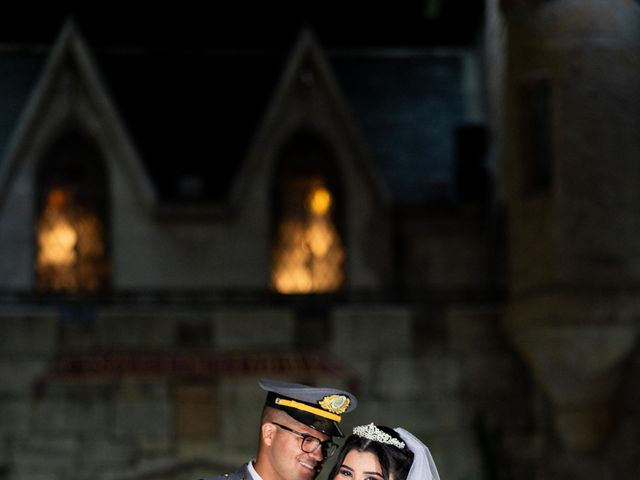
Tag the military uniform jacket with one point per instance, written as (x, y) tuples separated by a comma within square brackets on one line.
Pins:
[(241, 474)]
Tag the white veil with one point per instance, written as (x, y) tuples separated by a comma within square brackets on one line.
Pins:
[(423, 466)]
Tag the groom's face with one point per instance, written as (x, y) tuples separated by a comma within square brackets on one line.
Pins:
[(288, 460)]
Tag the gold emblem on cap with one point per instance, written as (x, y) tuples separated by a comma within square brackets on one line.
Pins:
[(335, 403)]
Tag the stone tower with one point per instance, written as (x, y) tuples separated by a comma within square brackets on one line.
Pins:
[(570, 172)]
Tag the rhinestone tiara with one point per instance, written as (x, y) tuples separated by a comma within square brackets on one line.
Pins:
[(372, 432)]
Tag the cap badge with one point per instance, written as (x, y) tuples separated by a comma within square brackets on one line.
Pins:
[(335, 403)]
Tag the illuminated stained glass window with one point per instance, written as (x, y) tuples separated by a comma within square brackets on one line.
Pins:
[(71, 240), (308, 255)]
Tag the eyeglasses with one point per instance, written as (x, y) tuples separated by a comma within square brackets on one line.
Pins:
[(310, 443)]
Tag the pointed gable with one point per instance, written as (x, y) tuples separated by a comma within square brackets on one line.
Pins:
[(309, 111), (70, 95), (308, 97)]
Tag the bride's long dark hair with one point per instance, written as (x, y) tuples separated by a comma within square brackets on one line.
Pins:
[(395, 462)]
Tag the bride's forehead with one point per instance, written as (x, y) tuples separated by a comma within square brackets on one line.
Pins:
[(362, 461)]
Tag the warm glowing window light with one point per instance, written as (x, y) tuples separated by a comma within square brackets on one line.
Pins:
[(70, 242), (308, 254)]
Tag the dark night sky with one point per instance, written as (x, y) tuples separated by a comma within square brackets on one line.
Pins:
[(253, 24)]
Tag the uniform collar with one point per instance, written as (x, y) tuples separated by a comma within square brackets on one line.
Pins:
[(252, 471)]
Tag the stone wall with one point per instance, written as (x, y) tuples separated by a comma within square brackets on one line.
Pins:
[(87, 397)]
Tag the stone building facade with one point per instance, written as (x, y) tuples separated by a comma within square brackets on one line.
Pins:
[(481, 203)]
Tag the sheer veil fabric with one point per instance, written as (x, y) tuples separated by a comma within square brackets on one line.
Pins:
[(423, 466)]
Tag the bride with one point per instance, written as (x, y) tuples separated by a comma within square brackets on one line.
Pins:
[(381, 453)]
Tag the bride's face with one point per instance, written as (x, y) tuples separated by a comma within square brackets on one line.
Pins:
[(360, 466)]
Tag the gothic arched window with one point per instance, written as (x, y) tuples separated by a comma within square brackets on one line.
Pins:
[(308, 251), (72, 254)]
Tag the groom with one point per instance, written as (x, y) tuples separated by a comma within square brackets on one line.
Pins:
[(296, 430)]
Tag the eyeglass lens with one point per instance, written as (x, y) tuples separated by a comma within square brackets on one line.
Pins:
[(310, 443)]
